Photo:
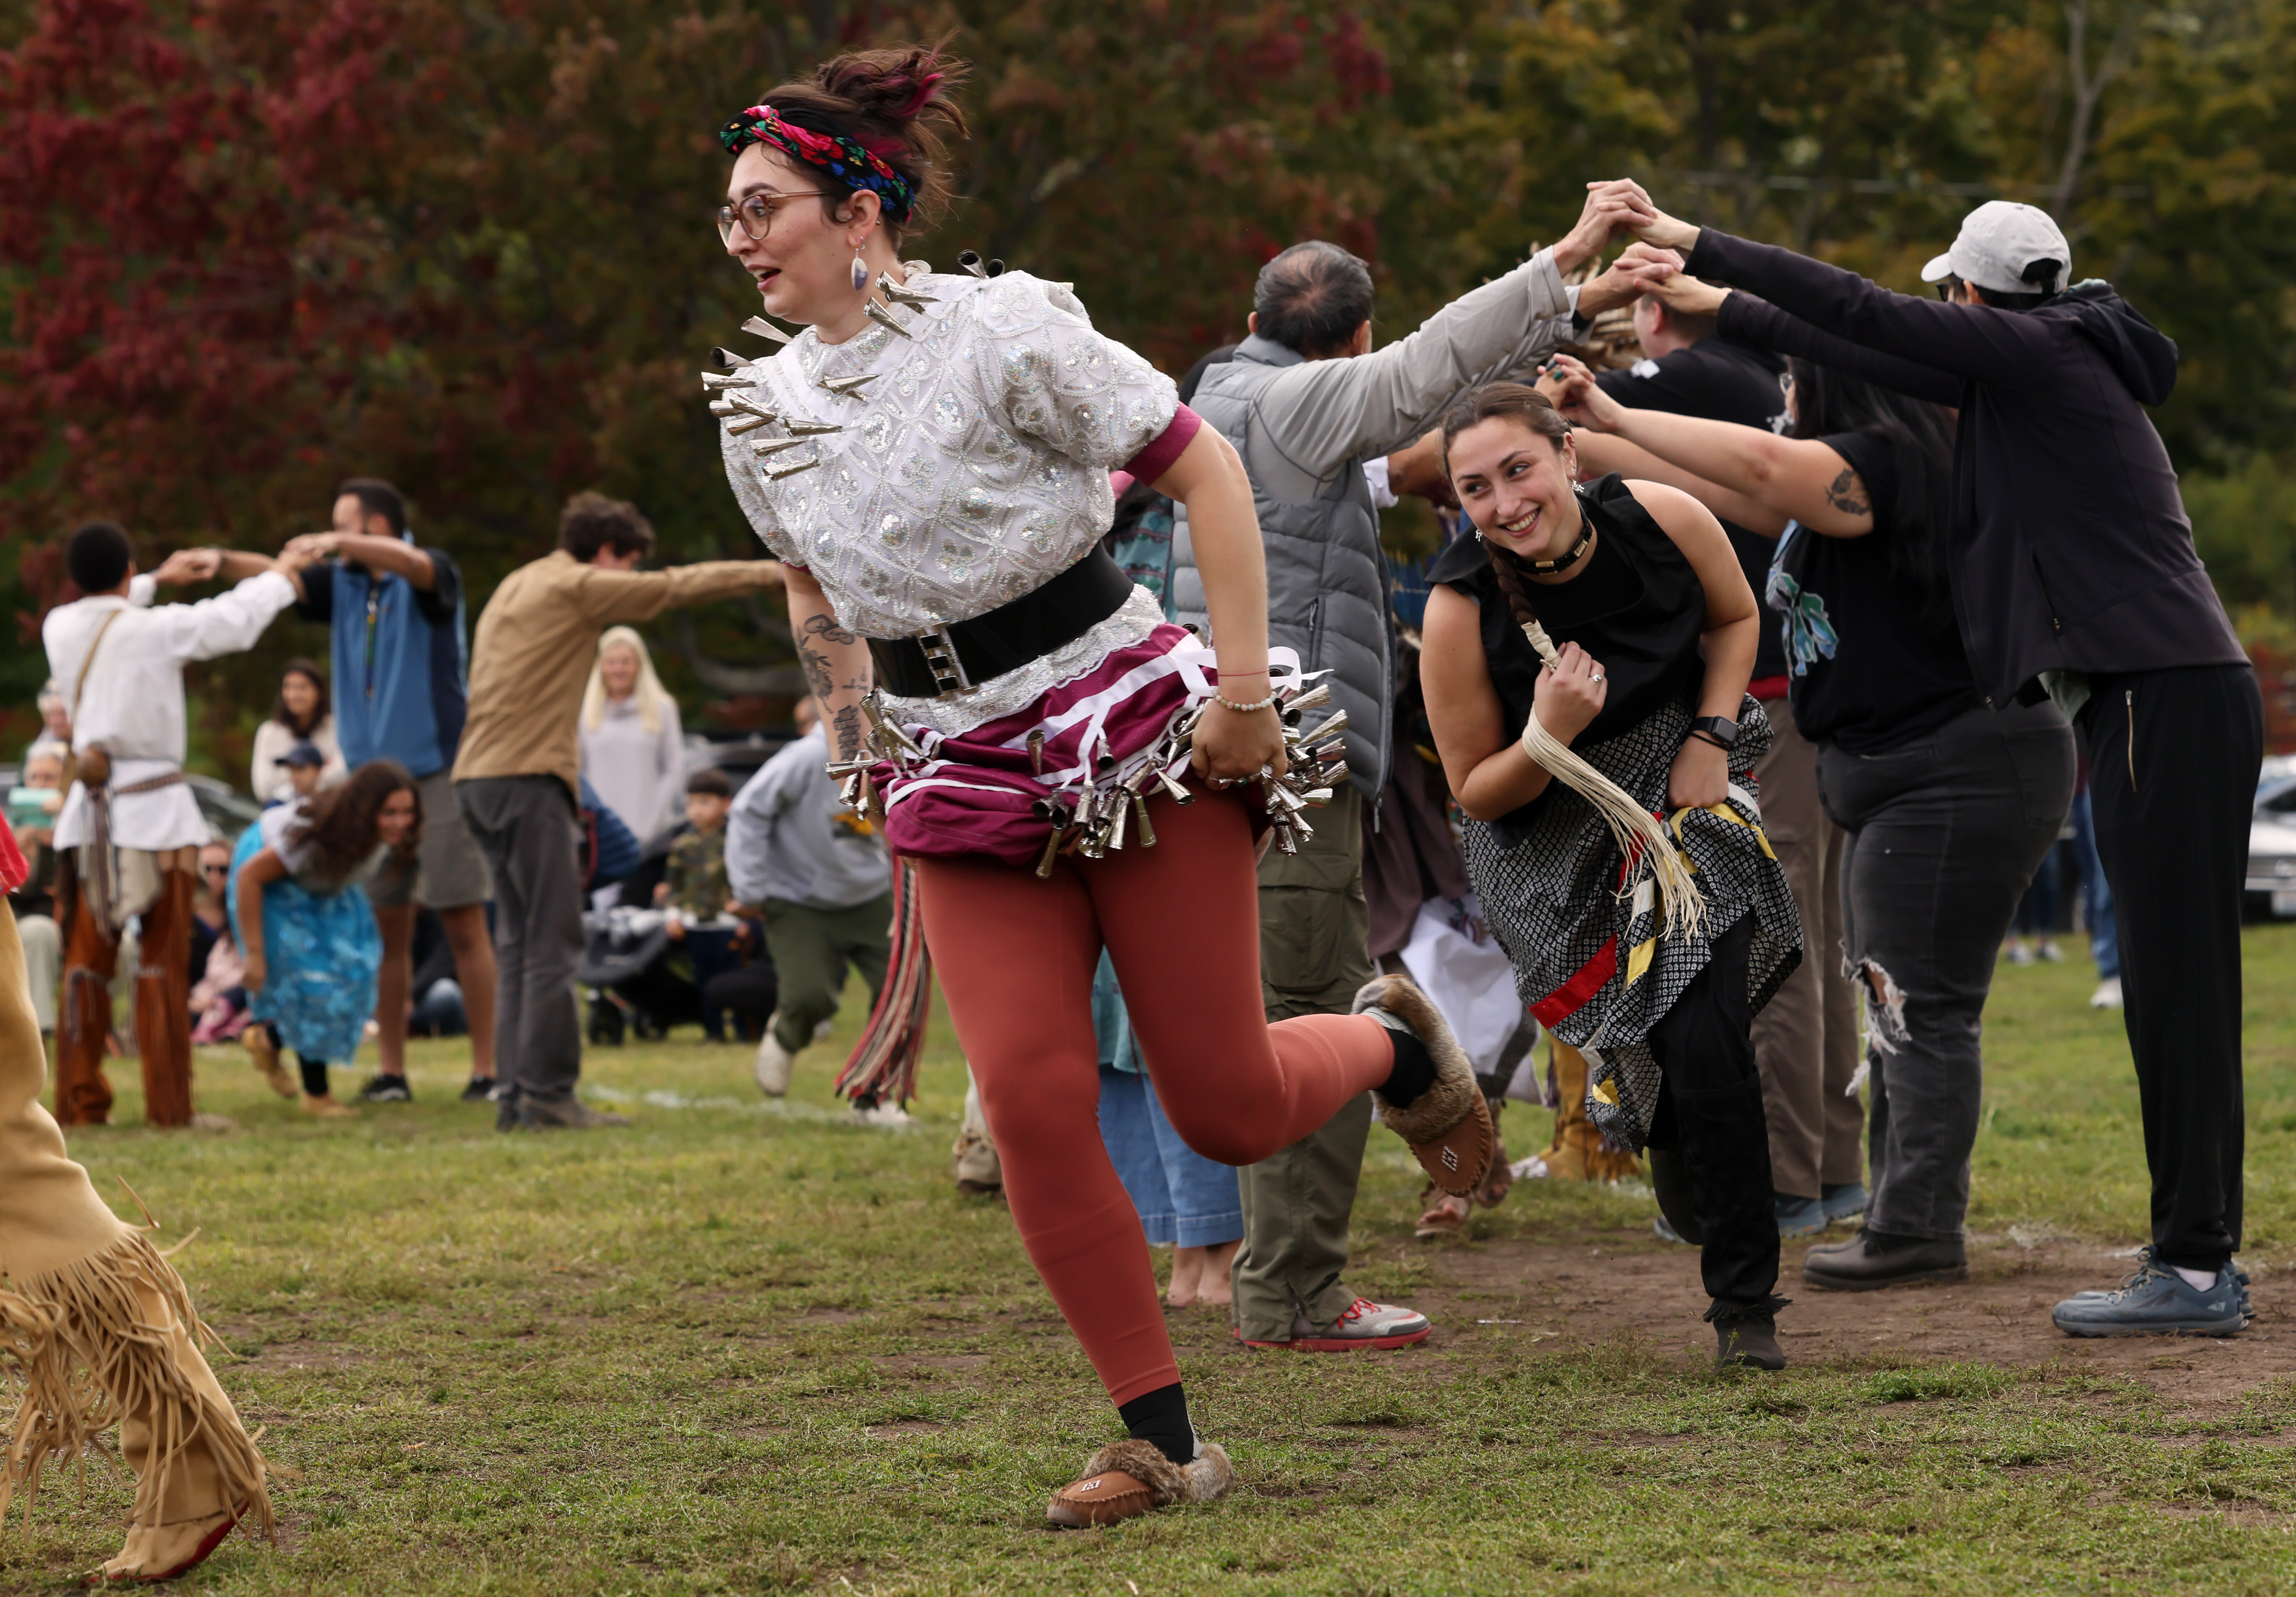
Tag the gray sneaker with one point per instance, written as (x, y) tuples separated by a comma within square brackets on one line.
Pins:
[(2144, 1260), (564, 1114), (2156, 1302)]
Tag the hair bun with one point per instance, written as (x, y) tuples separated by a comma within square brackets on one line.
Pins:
[(902, 83)]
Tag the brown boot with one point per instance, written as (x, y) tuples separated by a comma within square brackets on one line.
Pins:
[(120, 1324), (1127, 1478), (1578, 1152), (1448, 1126)]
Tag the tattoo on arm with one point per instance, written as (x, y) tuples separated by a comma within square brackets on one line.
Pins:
[(818, 676), (827, 630), (1848, 495), (847, 724)]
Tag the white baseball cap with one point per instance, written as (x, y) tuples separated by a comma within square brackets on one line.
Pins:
[(1997, 242)]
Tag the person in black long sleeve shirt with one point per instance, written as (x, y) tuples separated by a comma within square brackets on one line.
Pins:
[(1806, 1037), (2075, 575)]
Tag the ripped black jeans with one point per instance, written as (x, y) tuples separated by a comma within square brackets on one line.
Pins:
[(1944, 834)]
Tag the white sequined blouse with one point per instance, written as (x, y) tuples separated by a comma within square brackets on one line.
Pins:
[(972, 469)]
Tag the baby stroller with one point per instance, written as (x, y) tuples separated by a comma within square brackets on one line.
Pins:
[(633, 977)]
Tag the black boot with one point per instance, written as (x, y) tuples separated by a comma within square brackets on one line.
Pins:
[(1874, 1259), (1746, 1334)]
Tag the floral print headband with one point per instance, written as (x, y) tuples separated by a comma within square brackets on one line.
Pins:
[(847, 162)]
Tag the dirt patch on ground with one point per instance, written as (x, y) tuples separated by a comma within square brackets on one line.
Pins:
[(1573, 1294)]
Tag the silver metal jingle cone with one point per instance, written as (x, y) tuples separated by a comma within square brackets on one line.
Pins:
[(900, 294), (878, 314), (766, 330)]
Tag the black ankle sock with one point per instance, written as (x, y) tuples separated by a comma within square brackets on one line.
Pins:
[(314, 1075), (1161, 1417), (1414, 1069)]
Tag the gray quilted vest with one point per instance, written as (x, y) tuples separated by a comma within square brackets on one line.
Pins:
[(1327, 582)]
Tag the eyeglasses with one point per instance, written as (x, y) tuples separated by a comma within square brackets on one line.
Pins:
[(1945, 289), (755, 213)]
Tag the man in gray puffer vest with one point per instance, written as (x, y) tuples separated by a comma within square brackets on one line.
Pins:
[(1310, 406)]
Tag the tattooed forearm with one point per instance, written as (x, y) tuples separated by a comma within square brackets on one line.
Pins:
[(818, 676), (827, 630), (847, 722), (1848, 495)]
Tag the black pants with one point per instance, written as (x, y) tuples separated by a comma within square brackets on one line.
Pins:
[(1944, 834), (2174, 757), (1711, 1110)]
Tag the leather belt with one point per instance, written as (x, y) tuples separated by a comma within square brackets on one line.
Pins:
[(964, 654)]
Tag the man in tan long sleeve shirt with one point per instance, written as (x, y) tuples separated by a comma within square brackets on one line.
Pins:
[(518, 773)]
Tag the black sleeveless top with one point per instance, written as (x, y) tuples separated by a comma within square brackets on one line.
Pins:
[(1637, 606)]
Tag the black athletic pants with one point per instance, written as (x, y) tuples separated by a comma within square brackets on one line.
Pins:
[(2173, 756), (1712, 1111)]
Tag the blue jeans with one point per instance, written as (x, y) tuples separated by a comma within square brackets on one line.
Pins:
[(2096, 892), (1182, 1196)]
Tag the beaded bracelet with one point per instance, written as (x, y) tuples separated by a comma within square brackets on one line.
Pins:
[(1245, 709)]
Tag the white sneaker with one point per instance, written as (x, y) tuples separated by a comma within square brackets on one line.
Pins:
[(2107, 994), (772, 1067), (882, 1114)]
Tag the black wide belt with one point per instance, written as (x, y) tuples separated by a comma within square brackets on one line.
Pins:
[(964, 654)]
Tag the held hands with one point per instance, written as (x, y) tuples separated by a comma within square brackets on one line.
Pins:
[(1570, 387), (1658, 275), (1700, 776), (188, 565), (1620, 283), (1570, 694), (309, 547), (1650, 225), (1614, 208)]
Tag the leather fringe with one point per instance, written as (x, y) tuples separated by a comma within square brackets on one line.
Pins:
[(883, 1066), (88, 1356)]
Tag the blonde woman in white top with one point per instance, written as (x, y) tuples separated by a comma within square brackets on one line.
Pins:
[(633, 748), (301, 715)]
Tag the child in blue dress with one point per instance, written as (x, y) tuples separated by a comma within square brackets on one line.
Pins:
[(309, 935)]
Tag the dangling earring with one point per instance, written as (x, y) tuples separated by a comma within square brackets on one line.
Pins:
[(860, 273)]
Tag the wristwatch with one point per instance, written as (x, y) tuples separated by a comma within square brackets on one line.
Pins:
[(1722, 730)]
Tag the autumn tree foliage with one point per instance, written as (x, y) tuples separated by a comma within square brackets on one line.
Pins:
[(248, 249)]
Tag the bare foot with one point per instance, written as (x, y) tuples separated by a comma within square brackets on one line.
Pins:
[(1216, 1286), (1187, 1278)]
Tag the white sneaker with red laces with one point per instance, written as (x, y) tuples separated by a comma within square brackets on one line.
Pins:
[(1365, 1324)]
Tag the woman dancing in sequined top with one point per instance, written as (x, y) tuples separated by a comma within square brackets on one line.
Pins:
[(930, 458)]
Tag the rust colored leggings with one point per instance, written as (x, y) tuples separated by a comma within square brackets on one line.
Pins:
[(1181, 922)]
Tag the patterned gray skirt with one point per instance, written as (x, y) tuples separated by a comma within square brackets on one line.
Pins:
[(1589, 958)]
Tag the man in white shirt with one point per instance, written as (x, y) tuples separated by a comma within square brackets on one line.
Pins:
[(129, 834)]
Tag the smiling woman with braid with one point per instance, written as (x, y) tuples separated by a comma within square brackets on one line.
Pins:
[(1585, 665)]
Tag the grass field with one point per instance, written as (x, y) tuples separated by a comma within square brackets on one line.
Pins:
[(745, 1349)]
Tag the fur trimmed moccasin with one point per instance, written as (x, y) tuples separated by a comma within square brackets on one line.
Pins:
[(1448, 1126), (1128, 1478)]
